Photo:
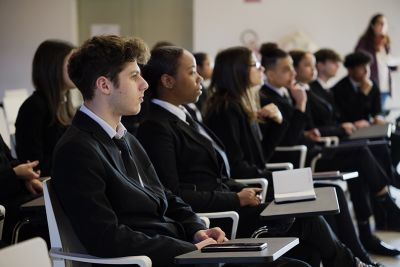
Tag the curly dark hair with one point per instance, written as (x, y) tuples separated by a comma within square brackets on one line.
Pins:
[(104, 55)]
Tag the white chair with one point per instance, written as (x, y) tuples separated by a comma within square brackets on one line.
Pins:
[(262, 182), (66, 246), (224, 214), (5, 133), (329, 140), (32, 252), (12, 101), (279, 166), (66, 249), (2, 216), (300, 149)]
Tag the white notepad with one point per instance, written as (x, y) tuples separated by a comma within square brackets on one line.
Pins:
[(293, 185)]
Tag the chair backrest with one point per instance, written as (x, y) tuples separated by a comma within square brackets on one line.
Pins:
[(12, 101), (5, 133), (32, 252), (62, 235)]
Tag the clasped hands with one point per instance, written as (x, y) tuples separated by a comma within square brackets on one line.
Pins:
[(214, 235), (26, 172)]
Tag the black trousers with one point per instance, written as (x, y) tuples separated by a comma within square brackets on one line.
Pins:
[(372, 177), (342, 224), (317, 241)]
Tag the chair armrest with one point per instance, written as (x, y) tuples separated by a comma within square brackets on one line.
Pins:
[(302, 150), (142, 261), (314, 161), (260, 181), (329, 140), (279, 166), (224, 214)]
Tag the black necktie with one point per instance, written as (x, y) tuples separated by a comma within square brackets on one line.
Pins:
[(129, 163), (220, 152), (192, 122)]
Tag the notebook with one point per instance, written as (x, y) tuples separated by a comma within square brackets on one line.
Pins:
[(373, 131), (293, 185)]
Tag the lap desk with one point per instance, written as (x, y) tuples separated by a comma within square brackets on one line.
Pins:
[(325, 203), (276, 247), (334, 175)]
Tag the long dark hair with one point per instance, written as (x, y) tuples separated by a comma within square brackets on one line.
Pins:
[(47, 78), (230, 81), (369, 37)]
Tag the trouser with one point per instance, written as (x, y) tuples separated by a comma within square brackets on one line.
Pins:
[(342, 224), (317, 240), (372, 178)]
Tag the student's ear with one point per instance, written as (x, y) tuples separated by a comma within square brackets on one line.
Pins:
[(104, 85), (167, 81), (269, 74), (319, 65)]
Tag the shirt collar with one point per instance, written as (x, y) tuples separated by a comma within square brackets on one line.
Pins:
[(111, 132), (324, 84), (177, 111), (279, 91)]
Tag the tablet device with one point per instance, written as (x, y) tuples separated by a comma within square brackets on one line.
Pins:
[(225, 247)]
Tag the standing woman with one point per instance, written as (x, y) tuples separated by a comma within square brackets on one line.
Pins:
[(376, 42), (46, 114)]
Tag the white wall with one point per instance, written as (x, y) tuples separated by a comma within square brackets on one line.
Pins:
[(335, 24), (24, 24)]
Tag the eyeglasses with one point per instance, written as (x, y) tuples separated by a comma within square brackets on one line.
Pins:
[(256, 64)]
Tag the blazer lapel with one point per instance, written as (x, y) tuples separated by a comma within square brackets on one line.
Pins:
[(164, 114), (85, 123)]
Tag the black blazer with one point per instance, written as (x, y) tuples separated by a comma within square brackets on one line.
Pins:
[(186, 161), (296, 120), (10, 186), (322, 111), (112, 214), (242, 142), (352, 105), (35, 138)]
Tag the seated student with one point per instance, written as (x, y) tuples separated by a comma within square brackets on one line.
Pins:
[(170, 137), (103, 178), (357, 98), (18, 184), (166, 130), (320, 101), (46, 114), (372, 179)]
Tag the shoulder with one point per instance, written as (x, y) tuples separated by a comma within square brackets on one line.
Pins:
[(35, 101), (75, 141), (341, 85)]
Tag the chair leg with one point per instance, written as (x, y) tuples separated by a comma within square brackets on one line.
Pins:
[(17, 228)]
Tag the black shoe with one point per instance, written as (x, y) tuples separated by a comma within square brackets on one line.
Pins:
[(376, 246), (359, 263)]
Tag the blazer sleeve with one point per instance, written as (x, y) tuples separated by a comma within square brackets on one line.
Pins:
[(161, 146), (31, 120), (376, 108), (228, 125), (80, 181)]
